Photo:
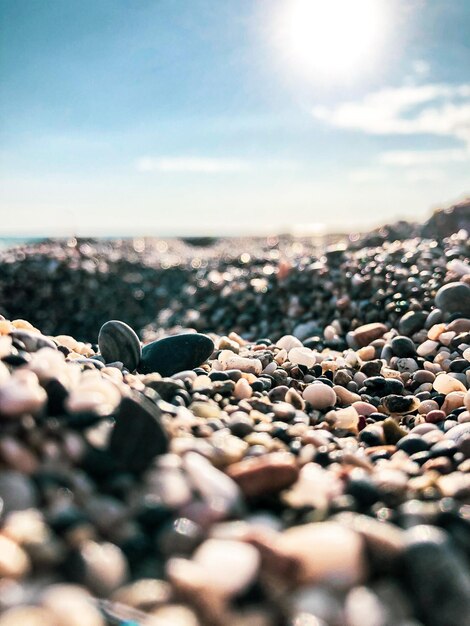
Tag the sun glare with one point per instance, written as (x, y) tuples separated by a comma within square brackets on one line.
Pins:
[(333, 38)]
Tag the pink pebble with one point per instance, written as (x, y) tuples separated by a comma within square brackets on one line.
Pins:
[(435, 416), (364, 408)]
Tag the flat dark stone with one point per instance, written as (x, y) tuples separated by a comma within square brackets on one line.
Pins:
[(118, 342), (175, 354), (138, 435)]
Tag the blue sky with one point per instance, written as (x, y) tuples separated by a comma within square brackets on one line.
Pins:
[(194, 116)]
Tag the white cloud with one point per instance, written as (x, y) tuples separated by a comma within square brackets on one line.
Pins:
[(408, 158), (200, 165), (212, 165), (420, 175), (432, 109)]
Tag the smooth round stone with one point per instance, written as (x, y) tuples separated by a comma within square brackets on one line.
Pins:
[(71, 605), (403, 346), (444, 383), (174, 354), (21, 395), (459, 432), (16, 491), (427, 348), (288, 342), (411, 322), (100, 566), (229, 567), (437, 576), (326, 553), (454, 298), (28, 616), (302, 356), (218, 489), (412, 443), (14, 562), (118, 342), (319, 395)]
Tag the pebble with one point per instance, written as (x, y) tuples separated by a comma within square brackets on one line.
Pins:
[(119, 342), (367, 333), (14, 562), (17, 491), (231, 361), (176, 353), (332, 416), (444, 383), (228, 567), (138, 435), (403, 346), (100, 566), (322, 553), (319, 395), (454, 298), (264, 475), (21, 394), (437, 576), (302, 356)]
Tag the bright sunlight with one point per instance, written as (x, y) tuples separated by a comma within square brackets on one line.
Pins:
[(334, 38)]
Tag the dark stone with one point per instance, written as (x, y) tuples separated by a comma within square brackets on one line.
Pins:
[(166, 388), (33, 341), (412, 444), (118, 342), (363, 491), (177, 353), (437, 577), (138, 435), (17, 492), (454, 298), (411, 322), (403, 347), (380, 386), (400, 405), (56, 396)]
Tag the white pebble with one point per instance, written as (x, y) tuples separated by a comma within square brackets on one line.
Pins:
[(288, 342), (427, 348), (444, 383), (230, 361), (21, 394), (219, 490), (229, 566), (319, 395), (302, 356)]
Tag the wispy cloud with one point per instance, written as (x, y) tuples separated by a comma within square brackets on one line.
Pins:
[(200, 165), (432, 109), (409, 158), (212, 165)]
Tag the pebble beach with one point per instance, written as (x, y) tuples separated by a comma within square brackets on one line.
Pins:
[(251, 432)]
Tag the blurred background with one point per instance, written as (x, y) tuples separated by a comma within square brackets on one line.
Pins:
[(176, 118)]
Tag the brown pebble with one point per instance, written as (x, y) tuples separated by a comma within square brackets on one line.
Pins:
[(367, 333), (268, 474)]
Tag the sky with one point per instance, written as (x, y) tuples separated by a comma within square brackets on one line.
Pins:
[(196, 117)]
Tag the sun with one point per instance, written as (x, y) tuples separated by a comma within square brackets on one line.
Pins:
[(333, 38)]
